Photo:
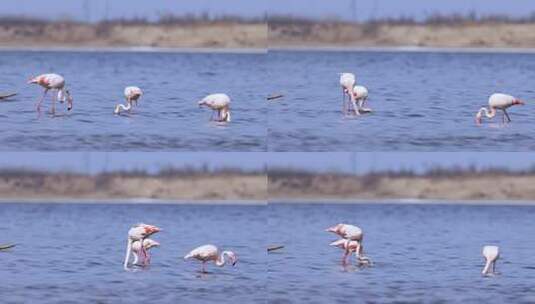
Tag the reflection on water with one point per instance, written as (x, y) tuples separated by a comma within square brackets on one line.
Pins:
[(167, 116), (420, 254), (74, 254), (420, 101)]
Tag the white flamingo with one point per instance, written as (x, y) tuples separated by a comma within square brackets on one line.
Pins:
[(351, 246), (498, 101), (491, 255), (139, 233), (217, 102), (208, 253), (348, 232), (361, 95), (136, 250), (53, 82), (132, 94), (347, 81)]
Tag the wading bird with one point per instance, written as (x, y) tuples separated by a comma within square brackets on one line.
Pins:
[(347, 81), (498, 101), (348, 232), (360, 93), (208, 253), (53, 82), (219, 103), (139, 233), (349, 247), (491, 254), (132, 94), (136, 251)]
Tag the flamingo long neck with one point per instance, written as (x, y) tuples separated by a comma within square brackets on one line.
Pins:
[(221, 261), (128, 252), (120, 107), (487, 267), (488, 114)]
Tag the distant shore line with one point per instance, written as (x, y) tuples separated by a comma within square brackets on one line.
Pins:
[(399, 201), (334, 48), (130, 201)]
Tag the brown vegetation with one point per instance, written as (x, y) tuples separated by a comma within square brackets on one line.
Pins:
[(435, 184), (165, 185)]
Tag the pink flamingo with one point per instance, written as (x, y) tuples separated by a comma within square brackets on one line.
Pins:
[(53, 82), (491, 255), (348, 232), (219, 103), (498, 101), (347, 81), (351, 246), (132, 94), (139, 233), (208, 253), (136, 250)]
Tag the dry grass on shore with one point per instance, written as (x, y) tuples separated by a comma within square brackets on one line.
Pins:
[(438, 184)]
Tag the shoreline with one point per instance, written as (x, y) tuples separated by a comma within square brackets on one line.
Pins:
[(265, 51), (130, 201), (399, 201)]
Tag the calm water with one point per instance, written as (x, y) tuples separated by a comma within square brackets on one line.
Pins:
[(421, 101), (422, 254), (167, 119), (74, 254)]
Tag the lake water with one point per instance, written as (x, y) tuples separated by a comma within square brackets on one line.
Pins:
[(74, 254), (167, 118), (422, 254), (422, 101)]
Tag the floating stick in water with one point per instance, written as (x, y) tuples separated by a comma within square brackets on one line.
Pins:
[(276, 96), (274, 247), (7, 95), (4, 247)]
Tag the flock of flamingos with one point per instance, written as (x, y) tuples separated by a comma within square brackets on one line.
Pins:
[(220, 103), (352, 236)]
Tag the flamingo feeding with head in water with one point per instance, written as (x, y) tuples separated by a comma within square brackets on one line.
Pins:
[(138, 233), (491, 255), (360, 93), (136, 251), (352, 246), (208, 253), (348, 232), (132, 94), (498, 101), (53, 82), (219, 103), (347, 81)]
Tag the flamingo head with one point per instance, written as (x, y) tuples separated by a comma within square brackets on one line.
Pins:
[(341, 243), (69, 100), (478, 118), (518, 102), (335, 229), (34, 80), (232, 257), (202, 103), (148, 243)]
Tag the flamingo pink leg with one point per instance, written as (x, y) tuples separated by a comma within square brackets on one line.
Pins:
[(54, 97), (41, 101)]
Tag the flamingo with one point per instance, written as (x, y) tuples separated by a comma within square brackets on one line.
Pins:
[(53, 82), (217, 102), (139, 233), (347, 81), (351, 246), (147, 244), (132, 94), (498, 101), (491, 254), (361, 95), (208, 253), (348, 232)]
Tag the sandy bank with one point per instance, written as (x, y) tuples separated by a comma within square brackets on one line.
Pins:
[(367, 188), (219, 35), (204, 188), (466, 35)]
